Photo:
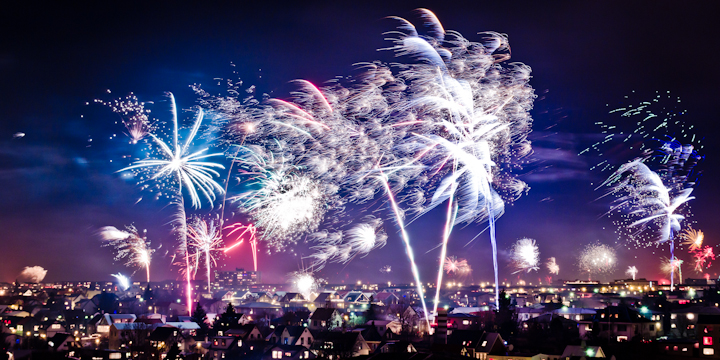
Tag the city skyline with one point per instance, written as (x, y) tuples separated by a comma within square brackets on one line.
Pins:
[(61, 184)]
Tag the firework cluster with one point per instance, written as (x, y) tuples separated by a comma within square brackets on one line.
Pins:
[(526, 256), (448, 124), (597, 259)]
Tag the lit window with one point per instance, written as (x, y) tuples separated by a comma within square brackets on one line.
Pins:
[(708, 351), (707, 340)]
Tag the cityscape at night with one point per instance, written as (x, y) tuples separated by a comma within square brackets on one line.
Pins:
[(371, 180)]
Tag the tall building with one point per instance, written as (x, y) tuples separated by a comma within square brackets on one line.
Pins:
[(236, 279)]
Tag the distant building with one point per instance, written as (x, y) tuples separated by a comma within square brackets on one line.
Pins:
[(239, 278)]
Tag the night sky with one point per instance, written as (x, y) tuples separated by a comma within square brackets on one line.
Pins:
[(57, 188)]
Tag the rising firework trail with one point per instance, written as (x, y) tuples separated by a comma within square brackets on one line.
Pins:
[(446, 236), (408, 247), (179, 168)]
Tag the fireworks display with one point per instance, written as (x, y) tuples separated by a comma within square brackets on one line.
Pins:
[(33, 274), (525, 256), (703, 258), (693, 239), (597, 259), (672, 266), (122, 280), (553, 266), (134, 116), (176, 164), (206, 240), (305, 283), (458, 267), (174, 168), (631, 271), (444, 128), (129, 246)]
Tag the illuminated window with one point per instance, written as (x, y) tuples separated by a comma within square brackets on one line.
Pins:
[(707, 340), (708, 351), (466, 322)]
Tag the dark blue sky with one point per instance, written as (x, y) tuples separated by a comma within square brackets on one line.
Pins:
[(55, 191)]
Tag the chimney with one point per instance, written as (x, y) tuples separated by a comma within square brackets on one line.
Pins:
[(441, 329)]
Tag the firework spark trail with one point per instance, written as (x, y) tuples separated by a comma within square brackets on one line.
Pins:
[(189, 170), (443, 253), (408, 247), (123, 281), (553, 266), (131, 248), (597, 259), (525, 256), (206, 238), (631, 271), (33, 274), (250, 230)]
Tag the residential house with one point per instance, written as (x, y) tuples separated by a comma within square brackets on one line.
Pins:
[(683, 320), (386, 298), (124, 333), (582, 350), (340, 344), (164, 337), (247, 333), (325, 319), (288, 352), (490, 344), (385, 326), (258, 310), (62, 342), (620, 323), (222, 347), (371, 335), (295, 335), (293, 300)]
